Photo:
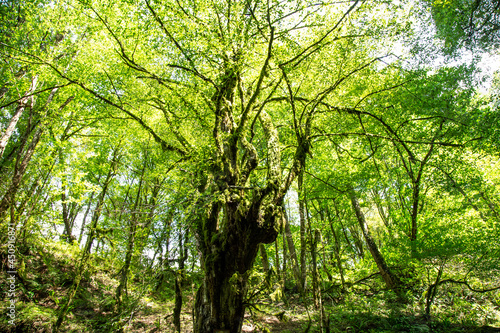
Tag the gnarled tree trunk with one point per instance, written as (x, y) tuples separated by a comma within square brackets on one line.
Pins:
[(233, 218), (227, 257)]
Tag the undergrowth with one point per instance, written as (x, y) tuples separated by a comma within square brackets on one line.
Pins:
[(49, 271)]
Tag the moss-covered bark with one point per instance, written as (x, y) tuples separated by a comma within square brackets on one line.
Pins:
[(232, 218), (229, 242)]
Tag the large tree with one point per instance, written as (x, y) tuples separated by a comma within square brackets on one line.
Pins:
[(224, 87)]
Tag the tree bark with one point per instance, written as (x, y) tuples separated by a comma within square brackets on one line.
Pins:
[(229, 231), (285, 259), (431, 292), (337, 249), (315, 274), (227, 258), (179, 278), (67, 217), (89, 205), (130, 250), (19, 171), (85, 253), (337, 246), (303, 222), (17, 115), (293, 253), (277, 263), (389, 279), (265, 260)]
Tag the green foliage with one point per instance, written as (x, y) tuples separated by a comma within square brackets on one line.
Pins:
[(171, 131), (473, 24)]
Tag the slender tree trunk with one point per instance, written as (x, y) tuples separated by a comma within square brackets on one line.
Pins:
[(265, 260), (303, 223), (34, 203), (318, 298), (20, 168), (336, 252), (315, 274), (416, 200), (358, 243), (65, 211), (69, 210), (28, 195), (293, 253), (19, 171), (126, 267), (179, 278), (82, 228), (414, 214), (178, 303), (15, 214), (337, 257), (323, 250), (152, 202), (337, 247), (285, 258), (390, 280), (164, 240), (277, 263), (66, 217), (130, 243), (4, 139), (431, 292), (382, 213), (82, 266)]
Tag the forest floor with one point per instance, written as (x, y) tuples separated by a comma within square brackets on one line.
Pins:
[(297, 319), (46, 276)]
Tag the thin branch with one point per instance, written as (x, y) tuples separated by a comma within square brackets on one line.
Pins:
[(313, 45), (158, 139), (257, 91), (324, 182), (34, 93), (468, 286), (445, 144), (177, 45)]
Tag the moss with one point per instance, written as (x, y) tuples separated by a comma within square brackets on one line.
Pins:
[(30, 318)]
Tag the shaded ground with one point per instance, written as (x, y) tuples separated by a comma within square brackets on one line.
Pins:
[(152, 316), (41, 289), (295, 318)]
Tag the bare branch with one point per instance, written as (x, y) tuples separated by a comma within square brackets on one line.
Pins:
[(318, 42)]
